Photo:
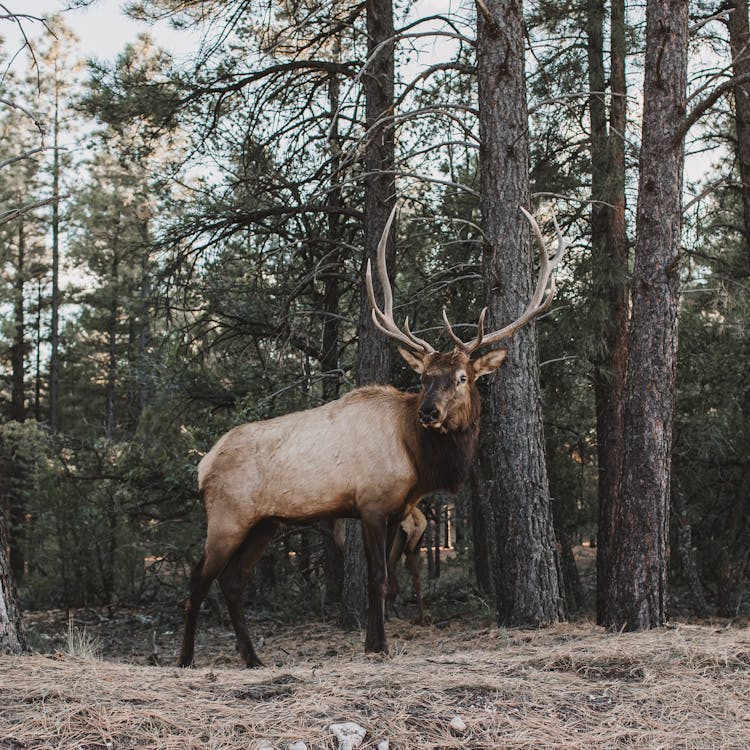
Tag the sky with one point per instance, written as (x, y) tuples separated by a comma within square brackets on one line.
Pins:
[(102, 27), (104, 30)]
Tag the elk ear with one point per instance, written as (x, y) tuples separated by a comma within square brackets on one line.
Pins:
[(414, 360), (489, 362)]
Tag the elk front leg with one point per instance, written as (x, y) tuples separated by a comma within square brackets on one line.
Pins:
[(374, 536)]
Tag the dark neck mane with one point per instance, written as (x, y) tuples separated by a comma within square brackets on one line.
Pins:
[(444, 459)]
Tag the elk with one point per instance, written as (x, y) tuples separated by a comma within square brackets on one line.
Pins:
[(372, 454), (406, 540)]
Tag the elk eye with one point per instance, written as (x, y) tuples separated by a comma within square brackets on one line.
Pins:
[(462, 378)]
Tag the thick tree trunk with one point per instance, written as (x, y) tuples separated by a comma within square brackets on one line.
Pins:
[(12, 638), (527, 576), (380, 193), (609, 260), (635, 591), (739, 40)]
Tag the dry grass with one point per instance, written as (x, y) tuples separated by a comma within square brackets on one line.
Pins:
[(572, 687)]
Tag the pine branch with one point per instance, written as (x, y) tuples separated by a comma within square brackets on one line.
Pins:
[(704, 105), (14, 213)]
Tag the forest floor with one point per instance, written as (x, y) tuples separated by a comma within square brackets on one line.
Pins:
[(570, 686)]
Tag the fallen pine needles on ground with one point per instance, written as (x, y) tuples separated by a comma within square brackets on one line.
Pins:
[(574, 687)]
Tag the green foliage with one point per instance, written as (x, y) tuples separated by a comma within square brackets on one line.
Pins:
[(101, 521), (212, 252), (712, 429)]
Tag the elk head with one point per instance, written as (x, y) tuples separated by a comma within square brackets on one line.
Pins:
[(448, 377)]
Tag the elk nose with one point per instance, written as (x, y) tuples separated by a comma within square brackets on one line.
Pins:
[(428, 414)]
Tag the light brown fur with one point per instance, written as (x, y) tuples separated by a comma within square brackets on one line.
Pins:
[(372, 454)]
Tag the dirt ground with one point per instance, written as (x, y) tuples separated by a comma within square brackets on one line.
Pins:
[(569, 686)]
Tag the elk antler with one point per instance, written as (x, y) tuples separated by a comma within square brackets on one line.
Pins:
[(539, 302), (384, 319)]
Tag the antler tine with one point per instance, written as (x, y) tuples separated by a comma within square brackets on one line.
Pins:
[(383, 268), (383, 319), (416, 339), (449, 328), (541, 299)]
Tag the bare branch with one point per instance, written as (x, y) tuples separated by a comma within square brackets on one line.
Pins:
[(572, 95), (37, 122), (14, 213), (708, 189), (541, 299), (26, 155), (705, 104)]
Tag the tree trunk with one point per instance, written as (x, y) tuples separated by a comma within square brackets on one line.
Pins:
[(739, 40), (380, 193), (12, 637), (38, 353), (481, 526), (437, 515), (54, 333), (354, 590), (527, 575), (635, 591), (111, 382), (15, 479), (735, 550), (331, 288), (609, 260), (685, 551), (18, 348), (334, 558)]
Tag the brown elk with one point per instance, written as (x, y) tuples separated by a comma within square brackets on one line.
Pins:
[(405, 540), (372, 454)]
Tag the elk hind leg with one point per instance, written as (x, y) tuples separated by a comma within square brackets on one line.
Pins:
[(215, 557), (233, 579)]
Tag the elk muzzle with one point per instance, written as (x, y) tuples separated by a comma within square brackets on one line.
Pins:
[(431, 412)]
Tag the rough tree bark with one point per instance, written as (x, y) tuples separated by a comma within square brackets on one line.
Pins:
[(528, 589), (734, 554), (635, 591), (609, 259), (380, 193), (12, 637), (739, 41)]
